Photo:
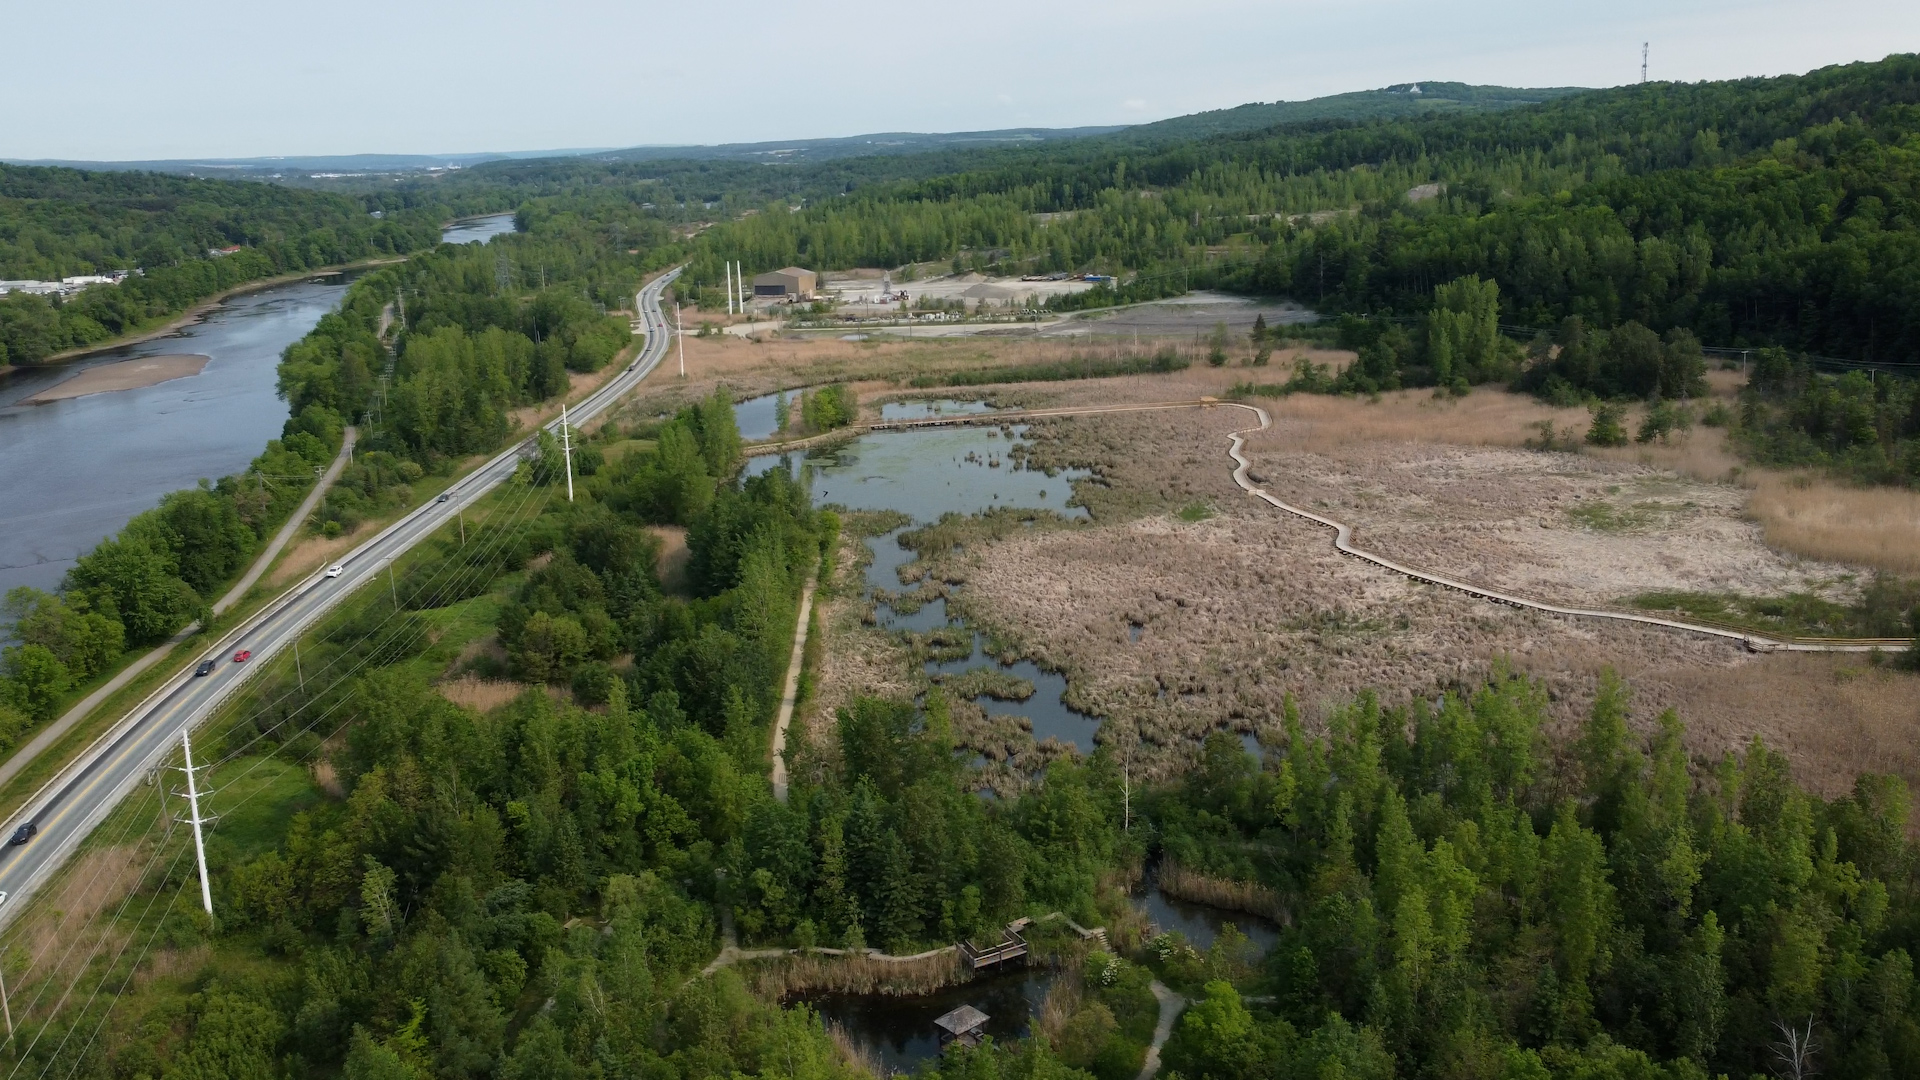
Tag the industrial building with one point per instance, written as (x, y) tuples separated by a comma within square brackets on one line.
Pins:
[(792, 283)]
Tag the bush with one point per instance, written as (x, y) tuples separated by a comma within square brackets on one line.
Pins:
[(1607, 429)]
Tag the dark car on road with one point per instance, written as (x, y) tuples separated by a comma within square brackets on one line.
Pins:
[(23, 834), (205, 668)]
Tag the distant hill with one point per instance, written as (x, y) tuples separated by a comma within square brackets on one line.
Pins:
[(883, 143), (303, 166), (1406, 99)]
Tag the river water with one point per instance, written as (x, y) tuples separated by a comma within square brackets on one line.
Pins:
[(77, 470), (477, 230)]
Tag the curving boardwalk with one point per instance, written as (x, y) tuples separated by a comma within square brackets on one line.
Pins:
[(1343, 533)]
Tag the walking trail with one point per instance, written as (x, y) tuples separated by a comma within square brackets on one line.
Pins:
[(53, 732), (1170, 1006), (791, 692)]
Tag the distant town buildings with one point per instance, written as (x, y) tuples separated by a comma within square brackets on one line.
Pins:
[(65, 286)]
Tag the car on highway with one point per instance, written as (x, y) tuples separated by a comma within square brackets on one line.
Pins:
[(243, 656), (23, 834), (443, 497), (205, 668), (336, 570)]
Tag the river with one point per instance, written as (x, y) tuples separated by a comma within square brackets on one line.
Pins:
[(477, 230), (77, 470)]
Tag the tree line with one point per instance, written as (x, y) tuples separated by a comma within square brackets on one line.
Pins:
[(57, 222)]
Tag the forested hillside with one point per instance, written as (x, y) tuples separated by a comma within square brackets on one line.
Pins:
[(1764, 211), (57, 223)]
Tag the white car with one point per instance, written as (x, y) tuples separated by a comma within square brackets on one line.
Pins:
[(336, 570)]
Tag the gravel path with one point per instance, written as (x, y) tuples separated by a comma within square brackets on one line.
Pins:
[(1170, 1006)]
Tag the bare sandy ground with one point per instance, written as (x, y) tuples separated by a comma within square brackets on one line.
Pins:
[(125, 375)]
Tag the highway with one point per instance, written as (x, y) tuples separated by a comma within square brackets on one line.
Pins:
[(76, 800)]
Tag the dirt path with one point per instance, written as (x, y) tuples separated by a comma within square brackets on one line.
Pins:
[(1343, 540), (792, 692), (294, 521), (1170, 1006)]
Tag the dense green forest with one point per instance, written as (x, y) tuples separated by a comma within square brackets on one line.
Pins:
[(58, 223)]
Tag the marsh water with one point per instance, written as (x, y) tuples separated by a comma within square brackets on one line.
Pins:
[(897, 1032), (924, 474)]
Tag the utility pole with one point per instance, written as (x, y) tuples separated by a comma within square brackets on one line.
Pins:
[(199, 843), (392, 589), (296, 667), (5, 1004), (727, 269), (680, 332), (463, 528), (566, 448)]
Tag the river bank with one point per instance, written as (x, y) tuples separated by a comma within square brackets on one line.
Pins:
[(195, 311)]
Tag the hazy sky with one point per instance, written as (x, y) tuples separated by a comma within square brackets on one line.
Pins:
[(114, 79)]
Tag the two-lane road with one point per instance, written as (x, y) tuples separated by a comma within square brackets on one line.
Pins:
[(76, 800)]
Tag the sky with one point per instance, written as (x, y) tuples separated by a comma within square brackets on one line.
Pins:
[(121, 80)]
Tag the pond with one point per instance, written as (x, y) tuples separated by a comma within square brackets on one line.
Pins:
[(1200, 924), (755, 417), (925, 474), (898, 1032)]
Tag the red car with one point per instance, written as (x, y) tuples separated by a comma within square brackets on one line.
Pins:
[(242, 656)]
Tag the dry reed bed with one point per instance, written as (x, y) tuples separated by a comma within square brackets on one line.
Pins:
[(780, 978), (1241, 610), (1878, 527), (1254, 899)]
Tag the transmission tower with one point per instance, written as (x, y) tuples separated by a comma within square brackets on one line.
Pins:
[(1643, 60)]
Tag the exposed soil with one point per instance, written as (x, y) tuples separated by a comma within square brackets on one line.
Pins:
[(125, 375)]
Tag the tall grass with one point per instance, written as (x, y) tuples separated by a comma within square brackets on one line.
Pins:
[(1821, 519), (811, 973), (1182, 883)]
